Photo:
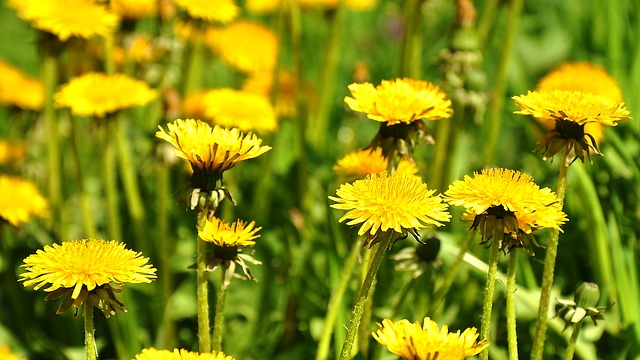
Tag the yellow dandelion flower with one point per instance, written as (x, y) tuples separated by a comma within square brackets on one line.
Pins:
[(239, 233), (240, 109), (571, 111), (31, 93), (247, 46), (211, 149), (399, 101), (508, 195), (361, 163), (99, 94), (358, 5), (67, 18), (19, 200), (221, 11), (180, 354), (262, 82), (193, 104), (84, 269), (414, 342), (6, 354), (263, 6), (397, 202), (134, 9), (11, 151)]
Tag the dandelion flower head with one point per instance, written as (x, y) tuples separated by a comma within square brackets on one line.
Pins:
[(20, 200), (397, 202), (67, 18), (399, 101), (361, 163), (19, 89), (240, 109), (180, 354), (220, 11), (85, 264), (11, 151), (414, 342), (239, 233), (6, 354), (246, 46), (134, 9), (96, 94)]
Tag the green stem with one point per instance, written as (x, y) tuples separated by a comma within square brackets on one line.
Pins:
[(89, 333), (497, 95), (218, 323), (490, 286), (549, 269), (195, 64), (50, 79), (512, 336), (487, 20), (114, 228), (85, 206), (571, 347), (363, 294), (442, 291), (336, 301), (165, 249), (412, 52), (204, 329)]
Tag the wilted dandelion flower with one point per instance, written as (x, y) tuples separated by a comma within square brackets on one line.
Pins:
[(83, 270), (220, 11), (571, 110), (399, 101), (397, 202), (511, 196), (210, 150), (20, 90), (180, 354), (20, 200), (360, 163), (427, 342), (247, 46), (67, 18), (96, 94), (229, 240), (239, 109)]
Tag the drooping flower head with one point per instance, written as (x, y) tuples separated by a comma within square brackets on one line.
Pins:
[(247, 46), (571, 110), (180, 354), (20, 90), (97, 94), (400, 105), (20, 200), (220, 11), (83, 270), (67, 18), (210, 150), (510, 196), (397, 202), (239, 109), (229, 240), (586, 78), (360, 163), (428, 342)]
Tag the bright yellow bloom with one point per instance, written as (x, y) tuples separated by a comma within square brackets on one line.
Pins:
[(360, 5), (19, 200), (261, 83), (509, 195), (67, 18), (214, 149), (99, 94), (240, 109), (6, 354), (180, 354), (247, 46), (221, 11), (18, 89), (427, 342), (239, 233), (134, 9), (574, 106), (398, 202), (193, 104), (85, 264), (361, 163), (399, 101), (11, 151)]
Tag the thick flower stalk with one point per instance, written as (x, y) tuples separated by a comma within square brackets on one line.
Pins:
[(414, 342)]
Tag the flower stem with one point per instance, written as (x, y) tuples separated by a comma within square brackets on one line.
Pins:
[(110, 182), (218, 322), (412, 51), (549, 269), (85, 205), (512, 336), (490, 286), (204, 329), (571, 347), (363, 294), (89, 333), (195, 63), (336, 301)]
